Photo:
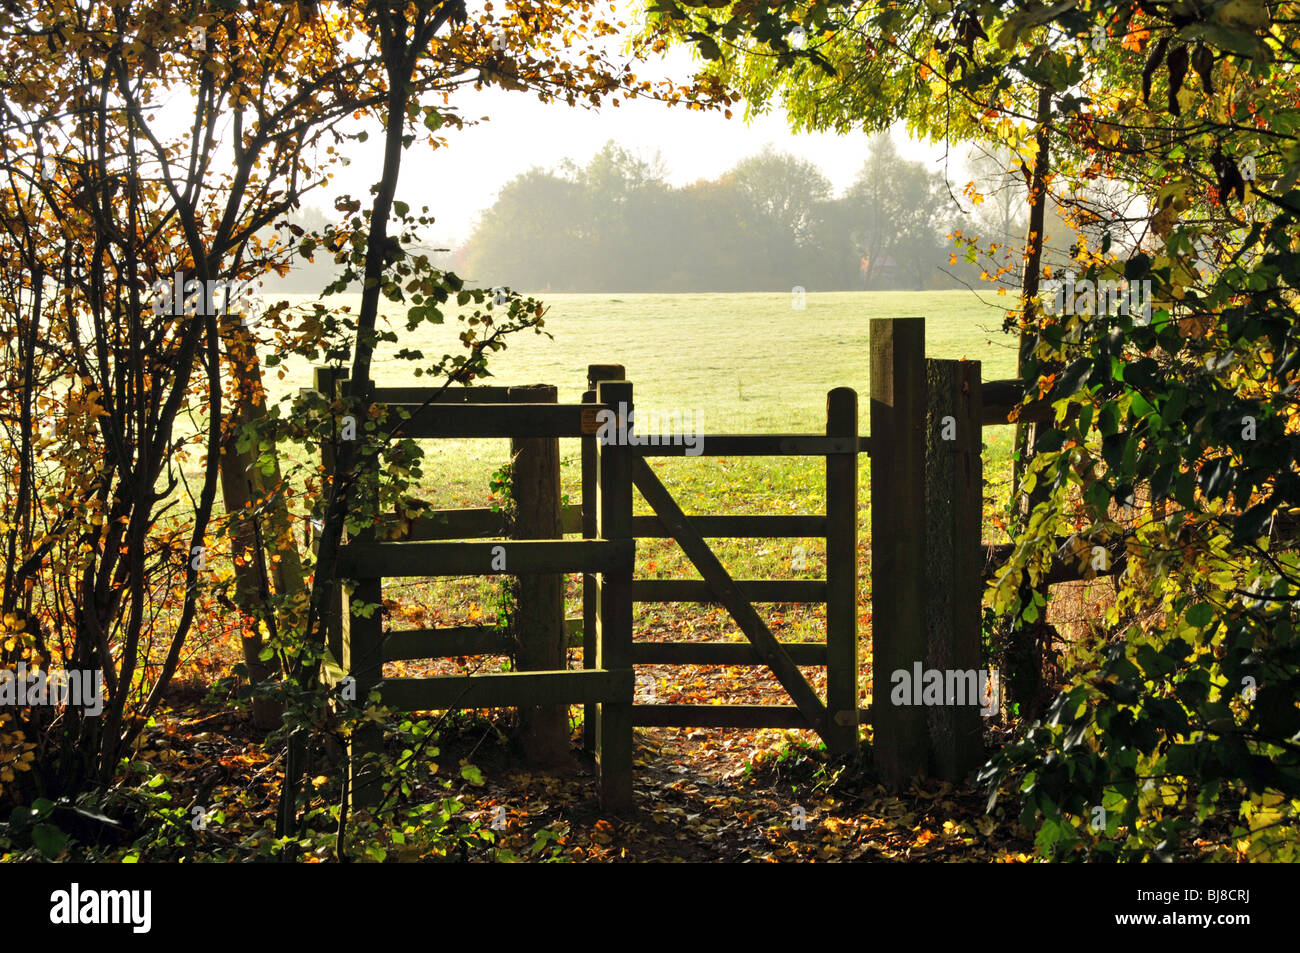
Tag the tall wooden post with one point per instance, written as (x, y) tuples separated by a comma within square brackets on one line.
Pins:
[(898, 571), (842, 576), (614, 736), (595, 374), (954, 508), (539, 617)]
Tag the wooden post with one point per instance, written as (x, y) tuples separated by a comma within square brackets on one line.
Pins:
[(595, 374), (615, 743), (539, 617), (842, 577), (898, 571), (954, 509)]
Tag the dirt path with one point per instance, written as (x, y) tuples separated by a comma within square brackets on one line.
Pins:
[(740, 796), (702, 795)]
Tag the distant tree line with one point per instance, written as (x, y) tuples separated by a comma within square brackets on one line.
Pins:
[(769, 224)]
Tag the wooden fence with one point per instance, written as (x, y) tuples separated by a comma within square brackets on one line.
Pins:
[(926, 570)]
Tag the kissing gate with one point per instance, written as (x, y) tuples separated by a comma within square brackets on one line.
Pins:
[(926, 505)]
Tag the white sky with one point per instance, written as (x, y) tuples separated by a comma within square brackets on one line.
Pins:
[(460, 181)]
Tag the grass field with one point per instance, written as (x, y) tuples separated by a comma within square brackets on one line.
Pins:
[(748, 363)]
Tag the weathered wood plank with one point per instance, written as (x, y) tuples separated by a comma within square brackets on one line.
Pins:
[(588, 526), (756, 590), (615, 743), (469, 523), (454, 641), (571, 518), (493, 420), (538, 623), (842, 578), (587, 512), (722, 653), (729, 594), (736, 527), (513, 557), (1000, 398), (477, 394), (505, 689), (954, 510), (490, 394), (328, 381), (898, 571), (432, 525)]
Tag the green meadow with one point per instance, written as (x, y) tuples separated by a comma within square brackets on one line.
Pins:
[(745, 363), (748, 363)]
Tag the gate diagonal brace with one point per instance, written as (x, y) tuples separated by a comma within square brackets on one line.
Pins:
[(729, 594)]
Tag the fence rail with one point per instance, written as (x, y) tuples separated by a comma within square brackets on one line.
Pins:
[(516, 557)]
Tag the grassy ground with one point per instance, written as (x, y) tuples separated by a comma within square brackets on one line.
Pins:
[(748, 363)]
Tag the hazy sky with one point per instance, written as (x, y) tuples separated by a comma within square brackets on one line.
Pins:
[(461, 180)]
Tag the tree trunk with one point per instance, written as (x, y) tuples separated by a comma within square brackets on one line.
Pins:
[(250, 495), (539, 618), (1024, 658)]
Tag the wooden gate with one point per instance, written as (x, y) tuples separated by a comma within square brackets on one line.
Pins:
[(431, 547), (837, 717), (926, 570)]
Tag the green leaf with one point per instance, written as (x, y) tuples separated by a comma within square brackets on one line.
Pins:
[(1108, 420), (472, 774), (1050, 441), (1234, 41), (1250, 524), (1275, 712), (708, 47), (49, 840), (1085, 418), (1142, 373), (1141, 407)]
